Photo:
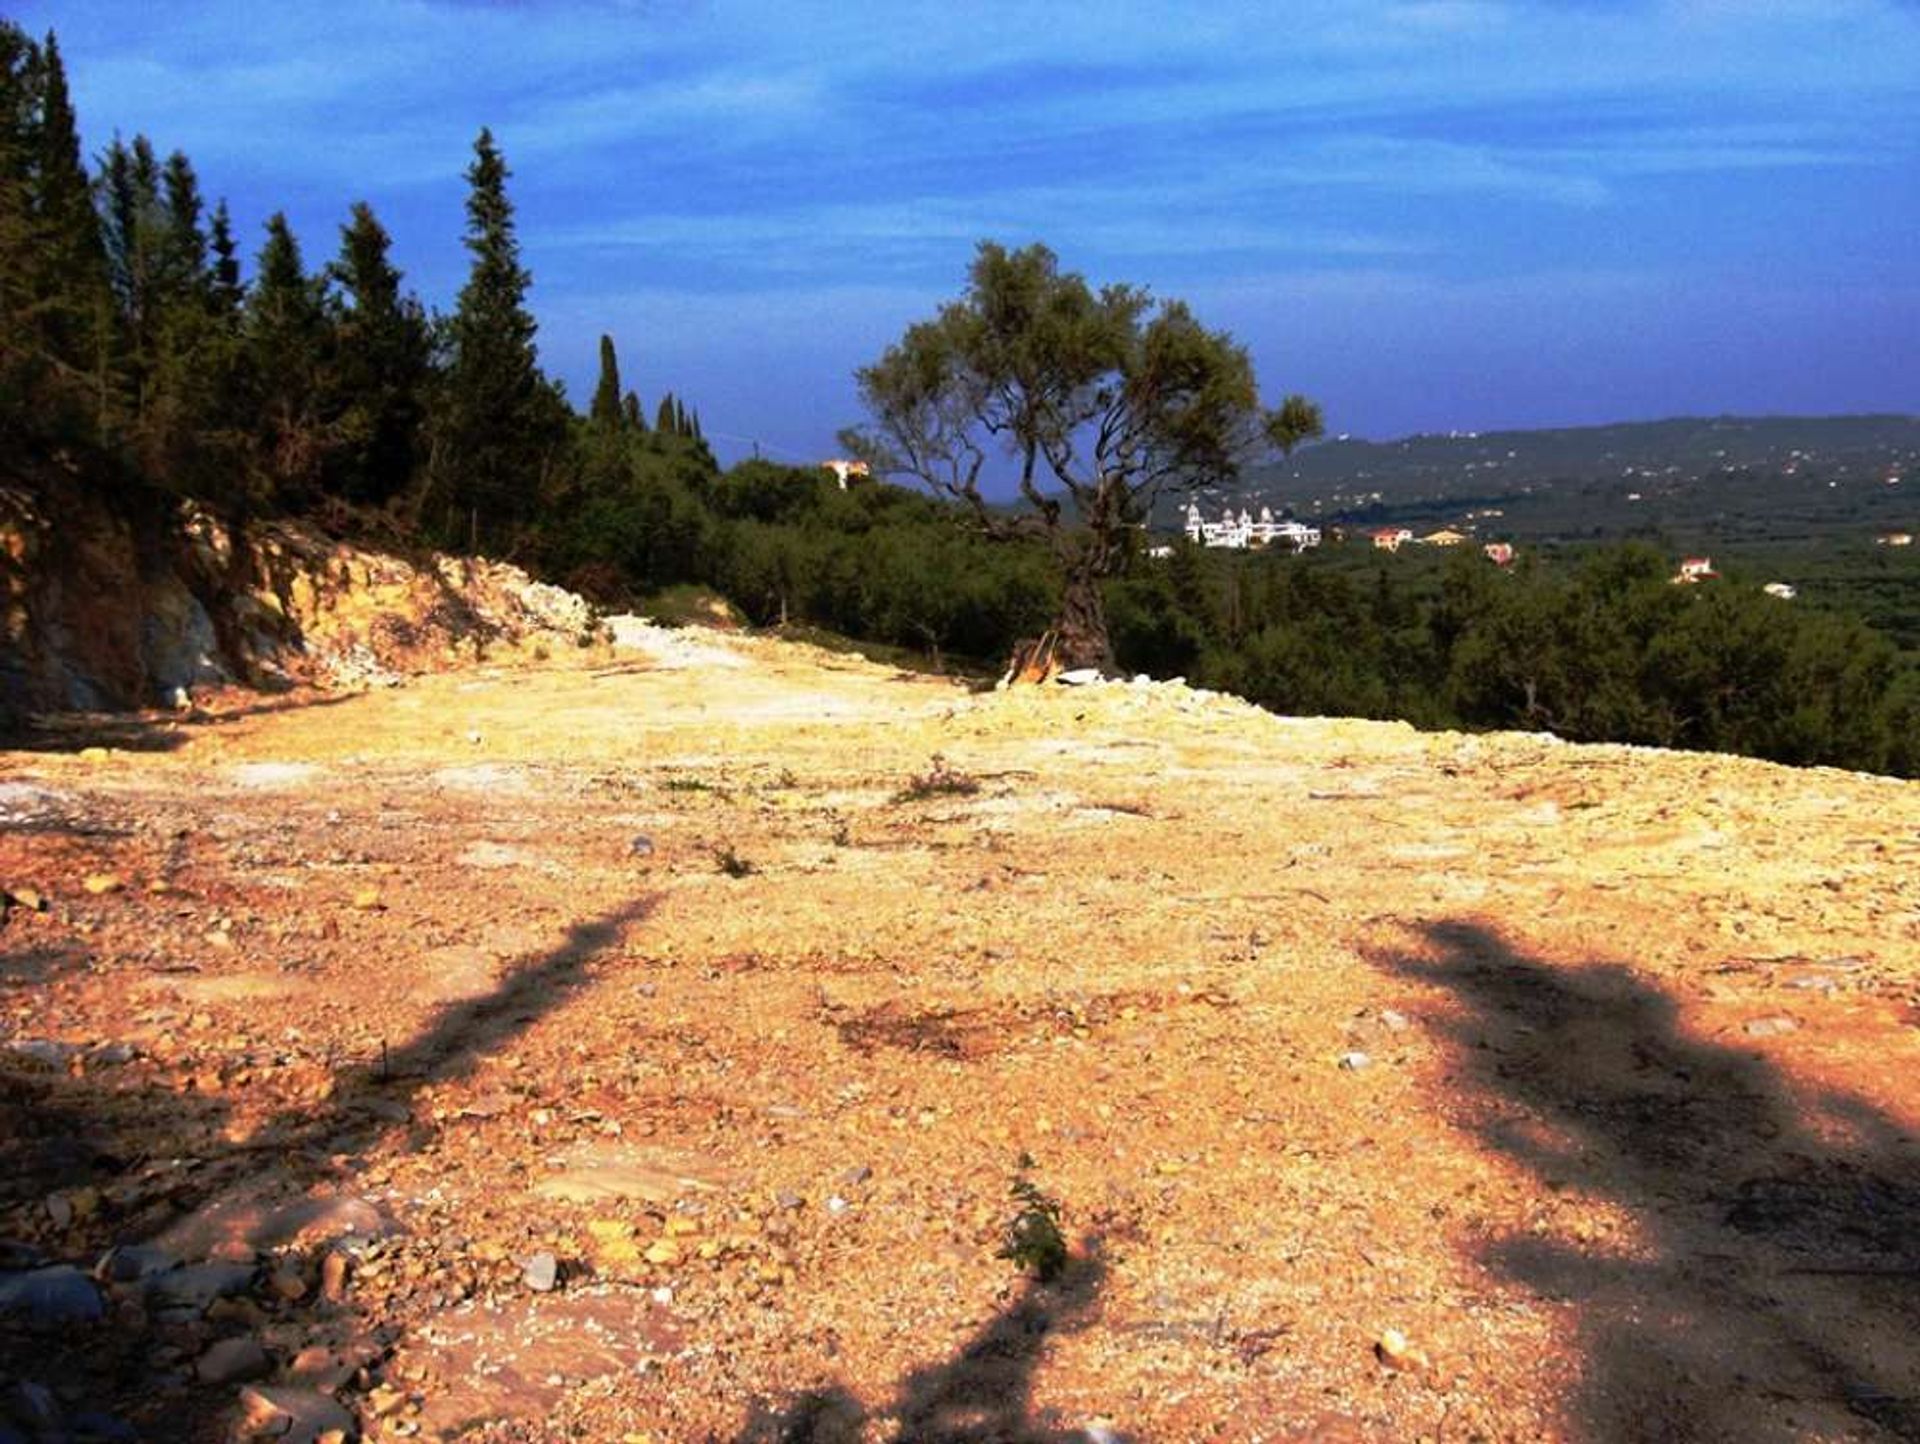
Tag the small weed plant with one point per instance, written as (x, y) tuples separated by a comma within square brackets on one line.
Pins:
[(939, 780), (1034, 1243), (731, 863)]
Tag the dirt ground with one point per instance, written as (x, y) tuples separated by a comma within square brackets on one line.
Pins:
[(627, 1049)]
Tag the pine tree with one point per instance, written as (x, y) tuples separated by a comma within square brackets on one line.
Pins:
[(183, 272), (20, 367), (134, 226), (72, 263), (606, 396), (663, 418), (286, 353), (633, 414), (224, 279), (501, 421), (382, 367), (53, 305)]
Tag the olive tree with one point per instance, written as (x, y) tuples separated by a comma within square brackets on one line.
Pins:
[(1092, 402)]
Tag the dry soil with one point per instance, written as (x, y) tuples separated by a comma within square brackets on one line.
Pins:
[(1391, 1086)]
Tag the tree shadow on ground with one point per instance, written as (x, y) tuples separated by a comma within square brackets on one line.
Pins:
[(1767, 1283), (983, 1394), (96, 1133), (151, 730)]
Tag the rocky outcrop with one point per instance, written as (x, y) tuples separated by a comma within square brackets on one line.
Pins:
[(104, 609)]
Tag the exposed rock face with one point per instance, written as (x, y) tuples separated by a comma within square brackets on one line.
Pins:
[(101, 611)]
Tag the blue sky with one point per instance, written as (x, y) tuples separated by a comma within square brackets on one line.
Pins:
[(1427, 214)]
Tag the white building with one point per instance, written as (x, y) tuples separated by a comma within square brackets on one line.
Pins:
[(1242, 531)]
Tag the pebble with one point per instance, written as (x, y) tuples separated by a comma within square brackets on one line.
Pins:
[(29, 898), (102, 882), (367, 898), (1771, 1027), (1354, 1062), (333, 1277), (1394, 1022), (198, 1285), (1393, 1349), (57, 1295), (857, 1176), (542, 1272), (641, 846), (233, 1361), (42, 1050), (295, 1416), (289, 1280), (132, 1262)]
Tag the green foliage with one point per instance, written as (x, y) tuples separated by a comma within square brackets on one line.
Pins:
[(55, 309), (607, 409), (1034, 1241), (382, 368), (499, 423), (1599, 647), (1294, 421), (1101, 399), (287, 346)]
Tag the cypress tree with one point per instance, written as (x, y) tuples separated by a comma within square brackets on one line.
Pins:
[(633, 413), (606, 396), (500, 419), (663, 415)]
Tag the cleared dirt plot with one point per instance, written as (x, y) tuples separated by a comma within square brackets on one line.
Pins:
[(622, 1051)]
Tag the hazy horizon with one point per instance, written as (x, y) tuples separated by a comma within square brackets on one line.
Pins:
[(1441, 216)]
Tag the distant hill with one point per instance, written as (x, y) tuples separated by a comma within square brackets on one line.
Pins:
[(1712, 476)]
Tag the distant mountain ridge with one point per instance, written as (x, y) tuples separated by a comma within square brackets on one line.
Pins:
[(1591, 452), (1553, 478)]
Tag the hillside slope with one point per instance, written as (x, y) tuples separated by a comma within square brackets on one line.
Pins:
[(644, 1048), (108, 607)]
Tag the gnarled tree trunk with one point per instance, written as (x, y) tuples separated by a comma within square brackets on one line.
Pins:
[(1082, 626)]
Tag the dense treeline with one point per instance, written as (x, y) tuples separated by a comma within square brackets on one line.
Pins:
[(137, 352), (1596, 646), (133, 349)]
